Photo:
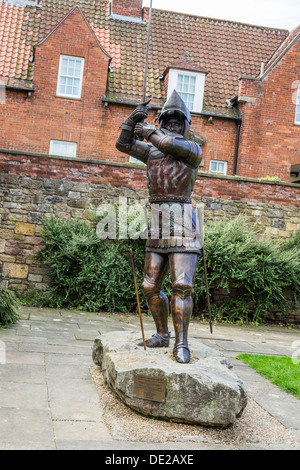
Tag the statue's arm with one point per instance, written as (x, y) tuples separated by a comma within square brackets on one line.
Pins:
[(187, 151), (127, 142)]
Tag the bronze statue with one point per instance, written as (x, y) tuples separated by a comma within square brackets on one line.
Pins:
[(172, 165)]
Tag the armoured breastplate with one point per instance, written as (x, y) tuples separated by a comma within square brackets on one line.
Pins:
[(168, 178)]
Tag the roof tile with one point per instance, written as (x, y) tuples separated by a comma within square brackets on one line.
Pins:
[(225, 49)]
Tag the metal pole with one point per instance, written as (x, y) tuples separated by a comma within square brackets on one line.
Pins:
[(147, 53), (201, 227), (137, 296)]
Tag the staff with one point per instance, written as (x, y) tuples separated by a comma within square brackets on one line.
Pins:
[(137, 296), (201, 226)]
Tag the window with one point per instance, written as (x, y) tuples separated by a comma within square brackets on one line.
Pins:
[(63, 149), (190, 87), (135, 160), (70, 77), (297, 117), (186, 87), (216, 166)]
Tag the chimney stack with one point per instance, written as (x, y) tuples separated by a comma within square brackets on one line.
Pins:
[(130, 8)]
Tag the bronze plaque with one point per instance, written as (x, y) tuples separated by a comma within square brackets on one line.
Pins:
[(150, 388)]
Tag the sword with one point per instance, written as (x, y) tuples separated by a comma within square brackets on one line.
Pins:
[(147, 53)]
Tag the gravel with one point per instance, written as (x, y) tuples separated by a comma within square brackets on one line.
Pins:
[(255, 427)]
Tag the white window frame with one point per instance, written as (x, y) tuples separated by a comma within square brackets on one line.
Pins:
[(297, 112), (61, 153), (66, 95), (199, 87), (219, 163)]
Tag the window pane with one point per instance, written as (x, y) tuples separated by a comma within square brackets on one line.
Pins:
[(179, 82), (64, 66), (218, 167), (186, 87), (186, 83), (66, 149), (77, 68), (213, 166), (70, 77), (297, 116), (192, 84)]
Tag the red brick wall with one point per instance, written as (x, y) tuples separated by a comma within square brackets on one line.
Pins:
[(220, 139), (134, 177), (131, 8), (29, 123), (270, 141)]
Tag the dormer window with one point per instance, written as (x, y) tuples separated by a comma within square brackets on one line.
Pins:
[(126, 10), (190, 87), (70, 75)]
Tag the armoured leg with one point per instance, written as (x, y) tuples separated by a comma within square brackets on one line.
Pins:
[(155, 269), (183, 270)]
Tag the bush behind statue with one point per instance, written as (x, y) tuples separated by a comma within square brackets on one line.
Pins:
[(258, 267), (95, 274), (9, 307)]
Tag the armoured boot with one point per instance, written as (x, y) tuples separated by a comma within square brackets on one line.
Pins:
[(157, 301), (182, 302), (181, 313)]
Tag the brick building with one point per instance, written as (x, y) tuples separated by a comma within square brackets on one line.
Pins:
[(72, 70), (249, 125)]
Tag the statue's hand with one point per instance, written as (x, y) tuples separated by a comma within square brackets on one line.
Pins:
[(139, 114), (143, 130), (139, 130)]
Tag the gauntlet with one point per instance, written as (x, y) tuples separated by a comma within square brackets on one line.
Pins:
[(138, 115)]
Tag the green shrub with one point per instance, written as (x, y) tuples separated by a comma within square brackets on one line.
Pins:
[(9, 307), (88, 272), (258, 267), (96, 274)]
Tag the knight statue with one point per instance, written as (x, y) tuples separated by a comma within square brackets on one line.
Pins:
[(172, 165)]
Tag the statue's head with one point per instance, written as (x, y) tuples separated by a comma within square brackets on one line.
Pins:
[(175, 115)]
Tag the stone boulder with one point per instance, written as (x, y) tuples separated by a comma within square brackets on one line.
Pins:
[(205, 391)]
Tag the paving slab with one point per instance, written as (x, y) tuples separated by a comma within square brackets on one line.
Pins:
[(49, 400), (81, 431), (26, 428)]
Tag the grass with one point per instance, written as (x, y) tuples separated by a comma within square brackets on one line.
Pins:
[(281, 371)]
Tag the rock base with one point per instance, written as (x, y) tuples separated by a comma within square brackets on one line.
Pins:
[(205, 391)]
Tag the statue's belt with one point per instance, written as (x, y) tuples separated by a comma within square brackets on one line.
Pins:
[(191, 231), (168, 198)]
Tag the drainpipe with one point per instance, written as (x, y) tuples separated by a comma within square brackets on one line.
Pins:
[(239, 123)]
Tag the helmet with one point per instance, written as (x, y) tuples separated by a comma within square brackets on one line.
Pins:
[(175, 106)]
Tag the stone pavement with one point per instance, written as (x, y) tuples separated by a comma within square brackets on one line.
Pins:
[(48, 400)]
